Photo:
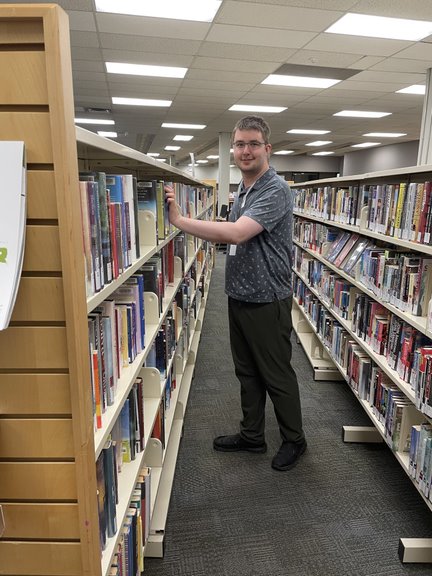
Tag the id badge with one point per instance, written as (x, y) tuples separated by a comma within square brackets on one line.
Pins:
[(232, 250)]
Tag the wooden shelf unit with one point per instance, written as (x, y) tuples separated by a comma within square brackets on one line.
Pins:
[(47, 442)]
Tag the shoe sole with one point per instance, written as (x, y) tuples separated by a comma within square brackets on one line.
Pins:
[(290, 466), (258, 450)]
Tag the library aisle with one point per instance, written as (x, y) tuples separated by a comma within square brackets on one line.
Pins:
[(340, 512)]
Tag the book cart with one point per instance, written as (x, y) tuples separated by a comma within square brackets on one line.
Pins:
[(385, 215), (48, 444)]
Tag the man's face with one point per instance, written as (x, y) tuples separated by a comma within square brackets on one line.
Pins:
[(250, 152)]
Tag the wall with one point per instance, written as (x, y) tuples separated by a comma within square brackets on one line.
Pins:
[(382, 158)]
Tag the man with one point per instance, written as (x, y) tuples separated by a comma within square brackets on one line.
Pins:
[(258, 283)]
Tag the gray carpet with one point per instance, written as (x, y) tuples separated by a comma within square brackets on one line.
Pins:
[(340, 512)]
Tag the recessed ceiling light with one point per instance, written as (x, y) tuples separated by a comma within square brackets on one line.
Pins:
[(283, 152), (146, 70), (161, 159), (193, 164), (361, 114), (385, 134), (174, 148), (141, 102), (323, 153), (299, 81), (183, 137), (381, 27), (93, 121), (213, 157), (366, 145), (319, 143), (107, 134), (301, 131), (185, 126), (413, 89), (153, 154), (250, 108), (202, 11), (202, 161)]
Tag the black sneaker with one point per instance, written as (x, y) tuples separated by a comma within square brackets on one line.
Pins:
[(288, 455), (235, 443)]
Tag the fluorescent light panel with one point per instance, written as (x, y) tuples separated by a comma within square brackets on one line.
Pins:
[(145, 70), (361, 114), (213, 157), (185, 126), (323, 153), (141, 102), (299, 81), (365, 144), (301, 131), (183, 137), (196, 10), (413, 89), (94, 121), (202, 161), (283, 152), (381, 27), (153, 154), (385, 134), (174, 148), (250, 108), (319, 143), (107, 134)]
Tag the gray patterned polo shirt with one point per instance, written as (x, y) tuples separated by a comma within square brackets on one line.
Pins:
[(260, 270)]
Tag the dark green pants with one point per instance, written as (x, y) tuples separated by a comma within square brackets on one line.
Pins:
[(261, 350)]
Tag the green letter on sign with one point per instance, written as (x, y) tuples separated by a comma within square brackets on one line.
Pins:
[(3, 255)]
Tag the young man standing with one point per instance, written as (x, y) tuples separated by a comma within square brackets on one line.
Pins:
[(258, 283)]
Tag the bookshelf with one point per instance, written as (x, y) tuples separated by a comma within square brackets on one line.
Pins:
[(369, 314), (48, 447)]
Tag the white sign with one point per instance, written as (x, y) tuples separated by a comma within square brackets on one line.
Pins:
[(12, 224)]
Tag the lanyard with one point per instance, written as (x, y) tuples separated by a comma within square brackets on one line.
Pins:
[(246, 193)]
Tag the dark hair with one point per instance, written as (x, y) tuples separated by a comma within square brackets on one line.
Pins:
[(253, 123)]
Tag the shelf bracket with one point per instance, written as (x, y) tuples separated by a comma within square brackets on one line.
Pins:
[(361, 434), (418, 550)]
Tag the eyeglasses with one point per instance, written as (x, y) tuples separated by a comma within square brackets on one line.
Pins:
[(254, 145)]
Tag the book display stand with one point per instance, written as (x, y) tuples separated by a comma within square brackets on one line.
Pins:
[(366, 309), (49, 449)]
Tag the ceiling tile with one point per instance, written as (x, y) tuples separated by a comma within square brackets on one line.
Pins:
[(232, 65), (261, 36), (419, 51), (87, 66), (396, 9), (357, 45), (245, 51), (84, 39), (151, 27), (83, 21), (153, 58), (225, 76), (316, 58), (279, 17), (143, 44), (401, 65)]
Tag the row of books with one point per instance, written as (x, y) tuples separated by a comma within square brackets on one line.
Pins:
[(401, 278), (117, 327), (405, 349), (335, 203), (128, 559), (113, 229), (401, 421), (400, 210)]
